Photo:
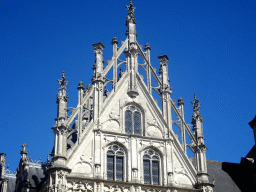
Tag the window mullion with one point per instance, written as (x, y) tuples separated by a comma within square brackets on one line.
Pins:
[(132, 122), (115, 168), (151, 174)]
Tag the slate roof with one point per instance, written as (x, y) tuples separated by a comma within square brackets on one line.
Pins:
[(11, 182), (223, 181), (36, 176)]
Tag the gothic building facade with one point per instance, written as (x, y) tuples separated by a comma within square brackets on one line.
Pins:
[(120, 140)]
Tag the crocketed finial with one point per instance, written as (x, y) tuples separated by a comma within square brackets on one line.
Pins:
[(131, 11), (62, 82), (196, 104), (24, 146)]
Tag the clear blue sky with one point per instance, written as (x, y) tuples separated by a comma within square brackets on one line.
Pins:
[(211, 45)]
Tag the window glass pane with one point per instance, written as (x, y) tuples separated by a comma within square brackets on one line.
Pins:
[(119, 177), (146, 157), (128, 122), (110, 167), (119, 168), (119, 153), (137, 123), (146, 179), (115, 148), (154, 157), (155, 181), (150, 152), (110, 176), (110, 152), (146, 170), (155, 172), (155, 164), (119, 160)]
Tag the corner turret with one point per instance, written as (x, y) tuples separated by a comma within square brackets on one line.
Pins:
[(200, 148), (58, 170)]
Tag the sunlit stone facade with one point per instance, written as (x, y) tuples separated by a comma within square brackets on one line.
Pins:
[(119, 140)]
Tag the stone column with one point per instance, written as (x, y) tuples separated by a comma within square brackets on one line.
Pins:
[(80, 114), (98, 173), (165, 91), (60, 129), (130, 23), (147, 50), (199, 148), (134, 159), (132, 52), (182, 125), (98, 80), (114, 43)]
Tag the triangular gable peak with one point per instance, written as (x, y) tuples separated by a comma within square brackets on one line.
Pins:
[(129, 121)]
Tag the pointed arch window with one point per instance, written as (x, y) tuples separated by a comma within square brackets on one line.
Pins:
[(115, 163), (132, 121), (151, 167)]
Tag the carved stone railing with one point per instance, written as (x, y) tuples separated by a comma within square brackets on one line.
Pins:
[(76, 110), (110, 63), (187, 128)]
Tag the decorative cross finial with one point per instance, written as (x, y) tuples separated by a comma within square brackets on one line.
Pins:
[(196, 104), (24, 145), (62, 82), (130, 10)]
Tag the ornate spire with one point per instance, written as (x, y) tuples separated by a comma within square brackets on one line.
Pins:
[(24, 146), (196, 105), (131, 11), (24, 152), (62, 82)]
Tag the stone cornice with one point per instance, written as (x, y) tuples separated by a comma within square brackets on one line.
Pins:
[(124, 183), (58, 167), (135, 136)]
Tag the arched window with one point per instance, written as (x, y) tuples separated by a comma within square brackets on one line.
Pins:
[(151, 167), (115, 163), (132, 121)]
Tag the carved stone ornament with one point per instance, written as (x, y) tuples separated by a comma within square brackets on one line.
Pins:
[(133, 93), (97, 77), (63, 97), (163, 60), (134, 52), (114, 116), (207, 189), (80, 186), (62, 82), (24, 146), (61, 174), (131, 14)]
